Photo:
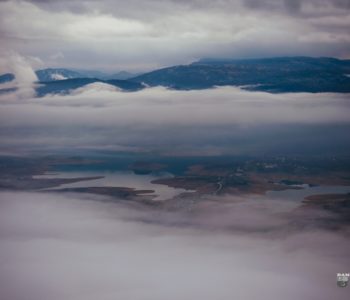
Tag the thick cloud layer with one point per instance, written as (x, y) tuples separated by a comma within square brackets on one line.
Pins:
[(55, 247), (22, 68), (141, 35), (224, 120)]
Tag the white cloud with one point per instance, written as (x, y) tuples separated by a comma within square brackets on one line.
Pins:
[(22, 68), (93, 89), (100, 104), (143, 35), (202, 122), (58, 247)]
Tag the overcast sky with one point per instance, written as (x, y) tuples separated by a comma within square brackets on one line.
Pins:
[(139, 35)]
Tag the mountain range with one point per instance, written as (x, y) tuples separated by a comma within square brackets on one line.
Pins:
[(274, 75), (52, 74), (67, 85), (6, 77)]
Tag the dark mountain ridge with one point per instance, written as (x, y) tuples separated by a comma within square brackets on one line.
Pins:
[(52, 74), (65, 86), (276, 75), (6, 77)]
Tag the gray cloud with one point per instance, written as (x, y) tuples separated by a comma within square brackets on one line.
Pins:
[(56, 247), (293, 6), (22, 68), (217, 121), (109, 34), (104, 105)]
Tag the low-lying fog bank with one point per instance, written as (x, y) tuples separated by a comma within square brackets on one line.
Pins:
[(61, 247), (224, 120)]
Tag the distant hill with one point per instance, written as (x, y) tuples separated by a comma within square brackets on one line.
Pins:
[(62, 81), (6, 77), (65, 86), (122, 75), (57, 74), (275, 75), (52, 74)]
